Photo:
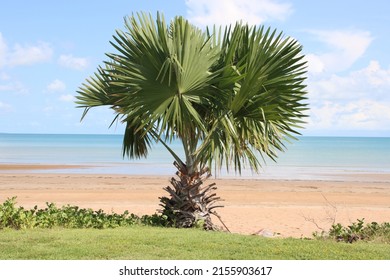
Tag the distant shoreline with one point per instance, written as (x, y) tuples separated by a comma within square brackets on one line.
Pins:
[(310, 158), (38, 166), (27, 168)]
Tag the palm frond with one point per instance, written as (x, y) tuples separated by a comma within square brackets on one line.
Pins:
[(261, 80), (233, 95)]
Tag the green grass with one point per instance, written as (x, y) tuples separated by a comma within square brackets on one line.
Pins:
[(144, 243)]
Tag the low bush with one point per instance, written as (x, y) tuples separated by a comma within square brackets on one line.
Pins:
[(69, 216), (357, 231)]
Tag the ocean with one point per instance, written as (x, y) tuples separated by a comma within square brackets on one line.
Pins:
[(309, 158)]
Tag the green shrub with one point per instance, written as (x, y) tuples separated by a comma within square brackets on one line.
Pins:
[(358, 231), (70, 217)]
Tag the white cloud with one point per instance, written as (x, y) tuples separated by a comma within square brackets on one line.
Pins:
[(24, 54), (345, 48), (375, 76), (357, 101), (222, 12), (69, 61), (363, 114), (4, 76), (370, 82), (314, 63), (3, 51), (56, 85), (67, 97), (5, 108), (13, 87), (29, 54)]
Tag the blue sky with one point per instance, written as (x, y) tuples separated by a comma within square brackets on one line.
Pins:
[(48, 48)]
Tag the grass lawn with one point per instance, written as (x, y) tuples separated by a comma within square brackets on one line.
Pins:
[(145, 243)]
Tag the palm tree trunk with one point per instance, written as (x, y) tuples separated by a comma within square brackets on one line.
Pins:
[(190, 203)]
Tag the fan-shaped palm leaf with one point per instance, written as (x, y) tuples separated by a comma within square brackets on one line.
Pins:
[(232, 97)]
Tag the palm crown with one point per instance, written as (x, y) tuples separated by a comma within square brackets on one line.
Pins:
[(230, 95)]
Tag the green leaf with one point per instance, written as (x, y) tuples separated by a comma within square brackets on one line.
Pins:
[(233, 95)]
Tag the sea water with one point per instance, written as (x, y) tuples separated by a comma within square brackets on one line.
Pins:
[(307, 158)]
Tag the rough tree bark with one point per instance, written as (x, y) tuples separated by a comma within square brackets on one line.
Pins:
[(190, 202)]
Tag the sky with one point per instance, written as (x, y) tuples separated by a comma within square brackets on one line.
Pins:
[(49, 48)]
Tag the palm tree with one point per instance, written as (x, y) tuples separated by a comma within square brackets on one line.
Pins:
[(232, 96)]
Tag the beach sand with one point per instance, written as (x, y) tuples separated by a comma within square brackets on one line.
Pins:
[(289, 208)]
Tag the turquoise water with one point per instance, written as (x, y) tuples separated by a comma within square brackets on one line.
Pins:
[(308, 158)]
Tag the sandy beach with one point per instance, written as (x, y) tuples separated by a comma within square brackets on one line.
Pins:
[(289, 208)]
